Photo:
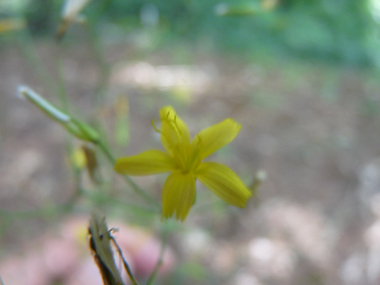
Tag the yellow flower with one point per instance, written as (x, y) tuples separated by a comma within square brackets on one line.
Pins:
[(184, 160)]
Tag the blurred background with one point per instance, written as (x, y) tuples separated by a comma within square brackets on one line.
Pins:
[(302, 77)]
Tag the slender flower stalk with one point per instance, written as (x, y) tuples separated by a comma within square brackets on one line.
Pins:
[(184, 160)]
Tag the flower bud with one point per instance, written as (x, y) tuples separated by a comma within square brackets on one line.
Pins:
[(77, 128), (45, 106)]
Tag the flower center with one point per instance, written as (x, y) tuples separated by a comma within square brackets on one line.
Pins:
[(185, 156)]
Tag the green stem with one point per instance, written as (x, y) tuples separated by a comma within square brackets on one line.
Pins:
[(126, 178), (160, 258), (29, 51), (126, 265), (104, 68), (61, 90)]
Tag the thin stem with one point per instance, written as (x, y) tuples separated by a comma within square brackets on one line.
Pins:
[(104, 68), (126, 178), (61, 90), (29, 51), (65, 105), (106, 152), (126, 265), (160, 259)]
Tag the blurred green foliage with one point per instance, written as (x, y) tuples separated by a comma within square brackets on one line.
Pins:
[(340, 31)]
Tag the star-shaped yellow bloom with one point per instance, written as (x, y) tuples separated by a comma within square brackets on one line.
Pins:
[(183, 158)]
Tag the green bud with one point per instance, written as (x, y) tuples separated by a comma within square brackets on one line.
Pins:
[(46, 107), (79, 129)]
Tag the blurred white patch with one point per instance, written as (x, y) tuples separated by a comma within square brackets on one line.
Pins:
[(372, 239), (373, 265), (72, 8), (372, 235), (197, 241), (182, 80), (271, 258), (246, 279), (369, 187), (304, 227), (352, 271), (221, 9), (375, 9)]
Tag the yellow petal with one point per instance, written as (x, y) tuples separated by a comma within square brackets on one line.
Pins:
[(174, 132), (146, 163), (213, 138), (224, 183), (178, 195)]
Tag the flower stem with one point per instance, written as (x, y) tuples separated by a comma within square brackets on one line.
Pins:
[(160, 258), (126, 265)]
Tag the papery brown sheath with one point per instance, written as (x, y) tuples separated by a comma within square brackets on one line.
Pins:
[(101, 250)]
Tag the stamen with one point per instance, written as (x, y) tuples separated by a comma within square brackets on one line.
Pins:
[(173, 125), (175, 143), (157, 131), (154, 127), (175, 151)]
